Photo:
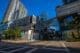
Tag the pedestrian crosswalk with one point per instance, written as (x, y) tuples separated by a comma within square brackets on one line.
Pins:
[(35, 47), (25, 49)]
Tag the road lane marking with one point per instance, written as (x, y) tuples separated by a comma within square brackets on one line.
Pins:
[(55, 49), (3, 52), (6, 48), (18, 49), (67, 50), (9, 48), (32, 50)]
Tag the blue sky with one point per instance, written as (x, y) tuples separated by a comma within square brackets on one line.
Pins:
[(34, 7)]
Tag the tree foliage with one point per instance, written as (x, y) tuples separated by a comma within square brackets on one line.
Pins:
[(12, 33)]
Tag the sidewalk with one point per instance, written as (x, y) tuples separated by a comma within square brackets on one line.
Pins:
[(45, 43), (19, 41), (73, 44), (74, 47), (15, 41)]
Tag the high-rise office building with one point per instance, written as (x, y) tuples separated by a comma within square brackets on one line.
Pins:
[(15, 10)]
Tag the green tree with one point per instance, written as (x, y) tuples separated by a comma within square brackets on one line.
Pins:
[(17, 32), (12, 33), (9, 33)]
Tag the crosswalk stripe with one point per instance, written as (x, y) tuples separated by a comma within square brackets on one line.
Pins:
[(2, 52), (6, 48), (66, 49), (18, 49), (32, 50), (9, 48), (55, 49)]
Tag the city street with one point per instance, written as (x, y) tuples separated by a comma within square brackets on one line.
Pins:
[(39, 26), (35, 47)]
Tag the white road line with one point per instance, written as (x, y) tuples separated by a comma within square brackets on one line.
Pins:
[(18, 49), (9, 48), (67, 50), (6, 48), (32, 50), (2, 51), (55, 49)]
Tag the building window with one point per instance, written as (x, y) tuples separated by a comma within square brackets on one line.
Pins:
[(30, 19)]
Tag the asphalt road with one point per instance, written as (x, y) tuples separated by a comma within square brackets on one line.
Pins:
[(38, 47), (25, 49)]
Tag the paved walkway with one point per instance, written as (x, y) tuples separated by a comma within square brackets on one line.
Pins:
[(15, 41), (74, 47)]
